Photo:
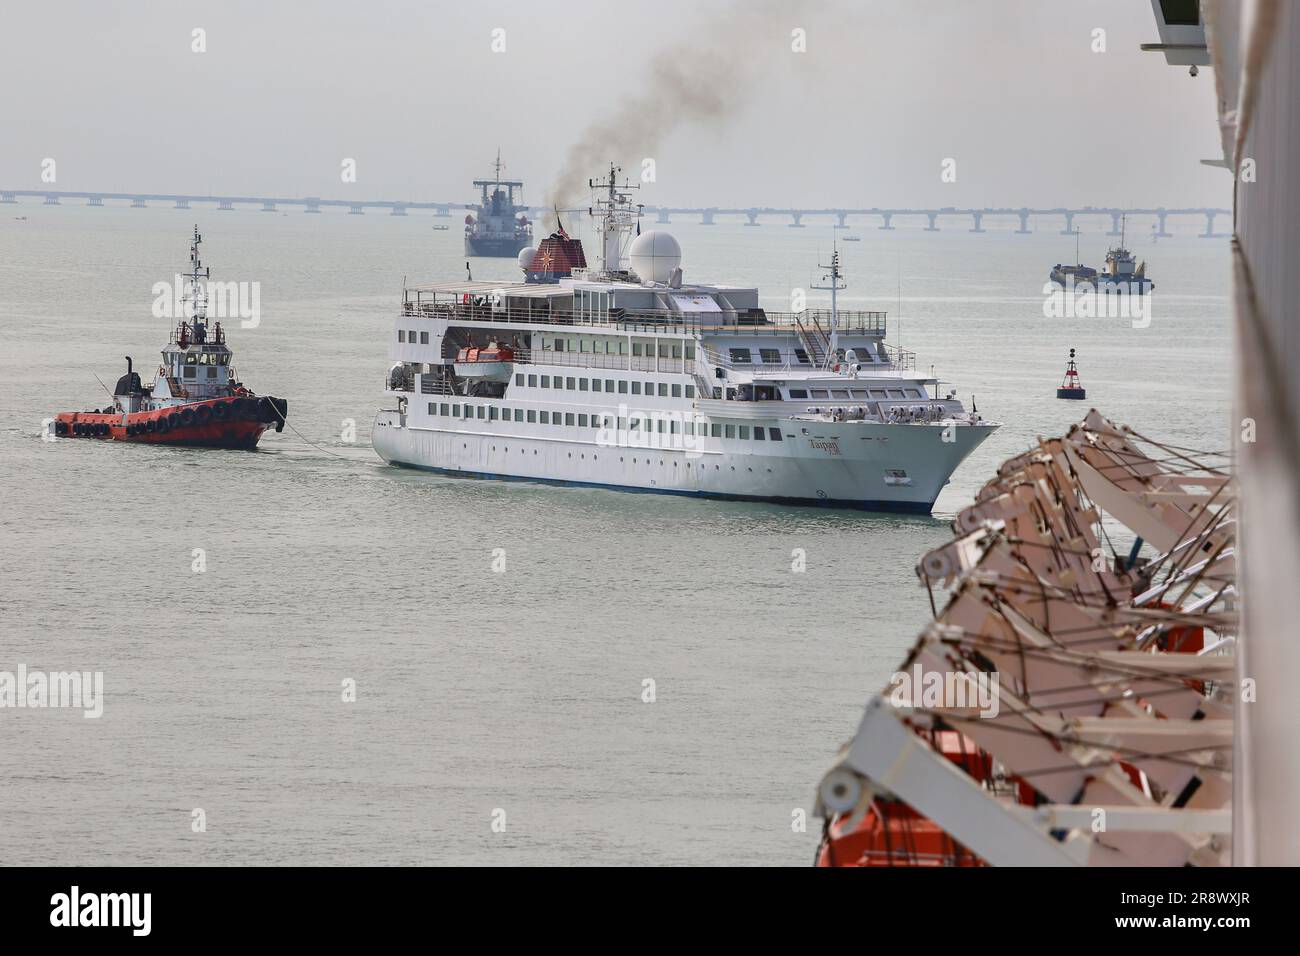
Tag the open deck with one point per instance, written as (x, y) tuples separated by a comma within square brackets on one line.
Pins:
[(752, 322)]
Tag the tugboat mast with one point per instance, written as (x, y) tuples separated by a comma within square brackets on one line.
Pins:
[(197, 296)]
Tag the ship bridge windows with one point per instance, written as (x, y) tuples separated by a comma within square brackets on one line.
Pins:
[(796, 393), (591, 304), (770, 356), (740, 356)]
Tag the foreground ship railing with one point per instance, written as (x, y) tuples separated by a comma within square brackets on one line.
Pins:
[(745, 323), (1067, 706)]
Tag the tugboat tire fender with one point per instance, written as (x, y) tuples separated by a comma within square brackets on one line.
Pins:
[(220, 411), (203, 414), (187, 416)]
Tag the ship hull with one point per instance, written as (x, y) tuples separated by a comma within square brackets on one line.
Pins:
[(195, 424), (504, 247), (837, 465)]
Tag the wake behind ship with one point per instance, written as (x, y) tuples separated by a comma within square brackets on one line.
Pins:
[(627, 377)]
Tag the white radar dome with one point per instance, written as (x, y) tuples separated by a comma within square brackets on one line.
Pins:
[(654, 255), (526, 255)]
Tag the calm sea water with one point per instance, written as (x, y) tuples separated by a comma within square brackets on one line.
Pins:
[(478, 691)]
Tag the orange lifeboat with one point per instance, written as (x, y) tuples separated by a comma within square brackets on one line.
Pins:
[(491, 364), (891, 833)]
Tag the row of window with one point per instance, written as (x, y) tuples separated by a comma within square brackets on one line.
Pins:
[(613, 386), (742, 356), (652, 423), (619, 347), (848, 393), (191, 371), (611, 346)]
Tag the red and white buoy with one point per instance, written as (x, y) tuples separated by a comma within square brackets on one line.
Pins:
[(1070, 385)]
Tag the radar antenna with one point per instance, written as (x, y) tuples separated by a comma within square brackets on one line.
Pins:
[(612, 209)]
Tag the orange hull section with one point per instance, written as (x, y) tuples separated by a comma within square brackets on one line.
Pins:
[(232, 427)]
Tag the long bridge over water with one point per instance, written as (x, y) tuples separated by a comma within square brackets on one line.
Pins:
[(708, 214)]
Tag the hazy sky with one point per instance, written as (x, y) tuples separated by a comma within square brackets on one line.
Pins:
[(414, 92)]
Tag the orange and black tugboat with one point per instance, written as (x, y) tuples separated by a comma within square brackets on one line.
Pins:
[(196, 398)]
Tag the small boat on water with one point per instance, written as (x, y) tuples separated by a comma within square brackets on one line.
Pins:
[(196, 398)]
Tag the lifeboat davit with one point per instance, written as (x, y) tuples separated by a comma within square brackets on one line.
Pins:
[(491, 364)]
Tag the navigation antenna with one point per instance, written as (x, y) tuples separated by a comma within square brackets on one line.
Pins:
[(612, 209), (836, 283), (197, 296)]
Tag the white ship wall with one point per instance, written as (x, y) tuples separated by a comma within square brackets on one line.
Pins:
[(855, 464)]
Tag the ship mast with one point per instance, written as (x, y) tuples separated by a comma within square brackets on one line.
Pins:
[(614, 215), (836, 283), (197, 297)]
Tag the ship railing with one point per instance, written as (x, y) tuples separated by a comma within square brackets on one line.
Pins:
[(720, 360), (434, 385), (659, 321), (899, 358)]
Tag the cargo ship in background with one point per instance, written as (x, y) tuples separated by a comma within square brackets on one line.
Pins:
[(628, 376), (1121, 273), (196, 398), (498, 228)]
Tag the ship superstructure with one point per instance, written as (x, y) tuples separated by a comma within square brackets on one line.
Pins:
[(627, 376), (498, 227)]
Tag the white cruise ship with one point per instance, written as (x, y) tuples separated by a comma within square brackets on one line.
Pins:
[(627, 377)]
